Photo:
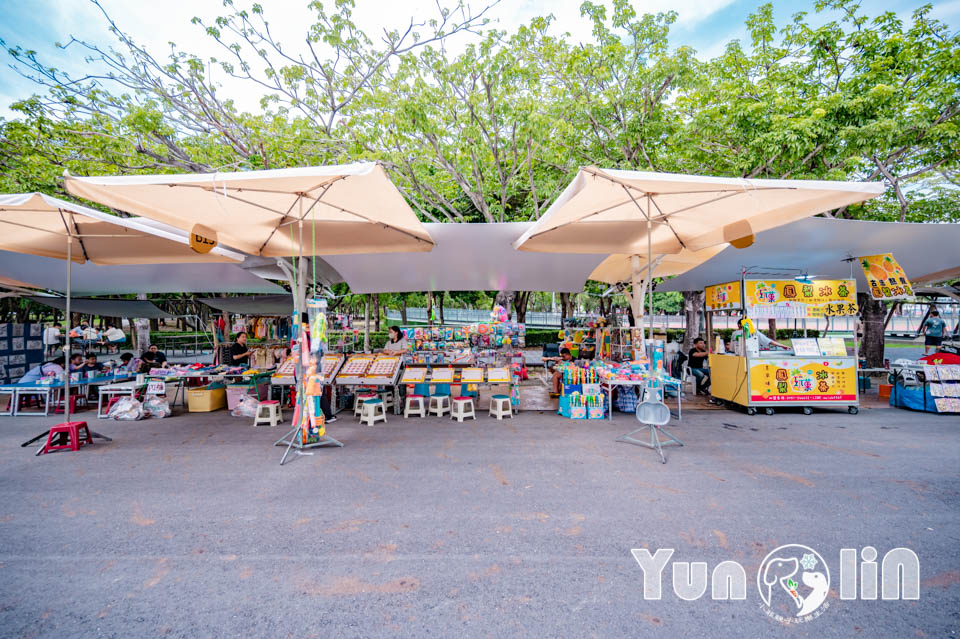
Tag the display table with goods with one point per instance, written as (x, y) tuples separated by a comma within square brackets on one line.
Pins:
[(372, 372), (474, 355), (931, 388), (50, 391)]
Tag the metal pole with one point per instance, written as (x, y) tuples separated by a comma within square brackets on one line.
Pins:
[(66, 347)]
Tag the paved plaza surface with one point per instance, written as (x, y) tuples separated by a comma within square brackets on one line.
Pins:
[(188, 527)]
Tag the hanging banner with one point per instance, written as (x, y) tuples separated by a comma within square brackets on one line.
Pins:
[(791, 299), (802, 380), (885, 278), (721, 297)]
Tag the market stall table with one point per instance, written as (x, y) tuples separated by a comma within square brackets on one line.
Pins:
[(51, 391)]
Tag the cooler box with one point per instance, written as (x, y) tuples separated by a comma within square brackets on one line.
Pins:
[(205, 400)]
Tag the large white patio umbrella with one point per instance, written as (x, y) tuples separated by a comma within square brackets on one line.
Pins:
[(37, 224), (318, 210), (639, 213)]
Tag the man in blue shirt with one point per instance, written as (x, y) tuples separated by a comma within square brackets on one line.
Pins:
[(933, 328)]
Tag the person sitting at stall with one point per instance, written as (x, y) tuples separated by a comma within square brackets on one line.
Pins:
[(35, 374), (76, 362), (239, 353), (764, 341), (396, 341), (148, 361), (159, 356), (91, 364), (125, 360), (933, 330), (697, 361), (51, 338), (557, 380), (113, 337)]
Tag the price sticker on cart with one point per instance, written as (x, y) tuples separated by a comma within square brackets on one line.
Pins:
[(156, 387)]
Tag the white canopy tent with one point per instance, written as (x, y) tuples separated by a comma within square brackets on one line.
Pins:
[(467, 257), (638, 213), (820, 245)]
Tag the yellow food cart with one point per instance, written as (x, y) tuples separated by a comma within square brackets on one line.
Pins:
[(814, 372)]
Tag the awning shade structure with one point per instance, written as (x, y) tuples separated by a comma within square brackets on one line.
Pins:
[(354, 207), (606, 210), (251, 305), (616, 268), (37, 224), (105, 308), (93, 279), (819, 245), (467, 257)]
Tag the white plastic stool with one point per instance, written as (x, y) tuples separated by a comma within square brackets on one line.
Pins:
[(439, 405), (372, 412), (500, 407), (419, 410), (460, 406), (358, 400), (274, 414)]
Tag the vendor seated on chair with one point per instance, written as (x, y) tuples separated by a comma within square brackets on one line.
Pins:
[(697, 361), (239, 353), (565, 356)]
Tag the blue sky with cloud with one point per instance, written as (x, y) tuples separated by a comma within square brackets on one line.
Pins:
[(707, 25)]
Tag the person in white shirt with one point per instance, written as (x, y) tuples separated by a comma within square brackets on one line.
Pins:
[(51, 338), (113, 337)]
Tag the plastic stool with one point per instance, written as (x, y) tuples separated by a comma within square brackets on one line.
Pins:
[(74, 400), (439, 405), (372, 412), (274, 414), (358, 401), (71, 431), (460, 411), (420, 410), (500, 407)]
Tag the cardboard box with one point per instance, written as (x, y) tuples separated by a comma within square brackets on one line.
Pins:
[(205, 400)]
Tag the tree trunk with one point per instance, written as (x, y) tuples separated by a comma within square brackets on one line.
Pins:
[(141, 329), (772, 328), (403, 309), (520, 301), (872, 314), (429, 308), (366, 323), (440, 297), (692, 306), (375, 298)]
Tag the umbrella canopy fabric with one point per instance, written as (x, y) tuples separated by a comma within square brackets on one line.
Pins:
[(606, 211), (38, 224), (350, 208), (251, 305), (104, 308), (820, 245), (467, 257), (617, 267), (94, 279)]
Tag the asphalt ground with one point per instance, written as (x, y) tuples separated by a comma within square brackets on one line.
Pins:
[(189, 527)]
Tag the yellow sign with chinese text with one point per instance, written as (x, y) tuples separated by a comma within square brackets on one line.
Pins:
[(720, 297), (885, 278), (792, 299), (803, 380)]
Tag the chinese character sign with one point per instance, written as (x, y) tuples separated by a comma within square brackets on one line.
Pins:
[(722, 296), (793, 380), (788, 299), (885, 278)]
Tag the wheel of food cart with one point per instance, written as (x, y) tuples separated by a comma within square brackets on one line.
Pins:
[(768, 410), (807, 410), (751, 410), (853, 410)]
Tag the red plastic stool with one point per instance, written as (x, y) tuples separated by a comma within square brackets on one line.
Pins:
[(77, 434), (73, 405), (292, 397)]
